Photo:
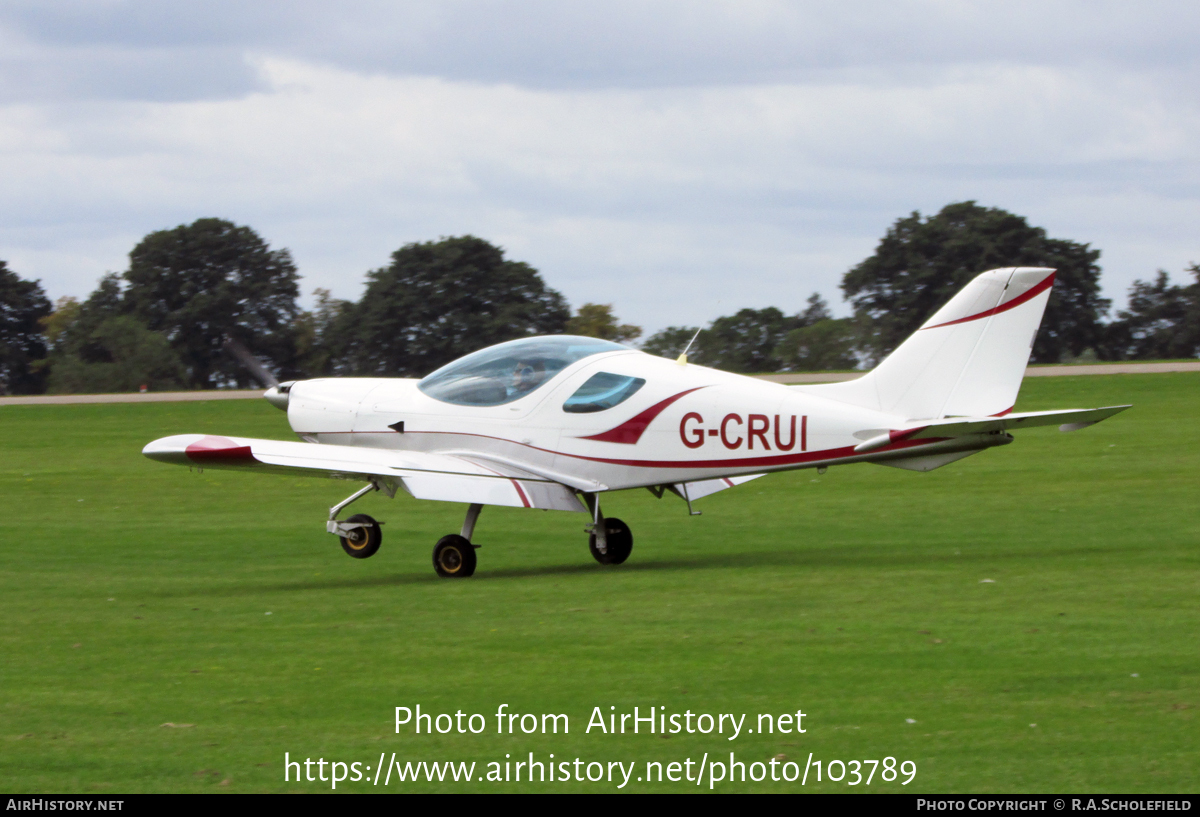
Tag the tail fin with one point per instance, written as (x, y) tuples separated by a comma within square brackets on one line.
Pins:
[(967, 360)]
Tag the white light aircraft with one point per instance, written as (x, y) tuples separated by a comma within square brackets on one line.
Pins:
[(556, 422)]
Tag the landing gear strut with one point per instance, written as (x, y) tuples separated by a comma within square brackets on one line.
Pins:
[(609, 539), (454, 555)]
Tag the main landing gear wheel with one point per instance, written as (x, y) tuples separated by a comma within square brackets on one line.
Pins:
[(453, 557), (619, 540), (362, 542)]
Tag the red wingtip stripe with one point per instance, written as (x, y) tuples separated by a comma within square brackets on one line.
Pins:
[(630, 431), (1028, 295), (208, 449)]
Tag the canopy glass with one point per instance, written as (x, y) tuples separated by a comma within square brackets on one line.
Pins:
[(508, 371)]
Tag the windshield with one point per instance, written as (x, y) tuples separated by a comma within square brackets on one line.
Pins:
[(508, 371)]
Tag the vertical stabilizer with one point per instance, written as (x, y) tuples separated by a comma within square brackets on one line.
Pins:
[(967, 360)]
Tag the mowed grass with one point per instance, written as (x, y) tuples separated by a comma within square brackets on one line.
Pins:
[(136, 594)]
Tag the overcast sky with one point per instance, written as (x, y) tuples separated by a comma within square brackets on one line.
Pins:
[(679, 160)]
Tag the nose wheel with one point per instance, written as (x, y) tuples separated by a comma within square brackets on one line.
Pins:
[(360, 535), (362, 540)]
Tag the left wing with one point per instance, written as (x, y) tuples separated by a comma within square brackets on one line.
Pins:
[(425, 475)]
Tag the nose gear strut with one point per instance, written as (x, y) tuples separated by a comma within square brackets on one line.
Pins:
[(360, 534)]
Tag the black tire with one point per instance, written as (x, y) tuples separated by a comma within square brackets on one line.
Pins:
[(454, 557), (366, 540), (620, 542)]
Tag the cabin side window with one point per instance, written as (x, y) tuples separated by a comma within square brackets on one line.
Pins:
[(602, 391)]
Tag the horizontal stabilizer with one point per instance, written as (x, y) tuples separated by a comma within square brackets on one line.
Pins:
[(1074, 418), (1065, 419)]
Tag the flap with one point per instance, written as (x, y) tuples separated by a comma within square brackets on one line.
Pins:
[(706, 487)]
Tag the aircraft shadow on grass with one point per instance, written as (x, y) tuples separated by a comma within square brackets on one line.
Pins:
[(825, 557)]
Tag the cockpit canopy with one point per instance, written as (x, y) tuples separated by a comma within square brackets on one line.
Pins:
[(508, 371)]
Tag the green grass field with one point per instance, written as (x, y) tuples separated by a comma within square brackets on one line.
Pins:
[(136, 594)]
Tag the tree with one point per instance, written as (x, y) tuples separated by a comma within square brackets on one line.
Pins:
[(598, 321), (122, 356), (671, 342), (921, 262), (23, 305), (748, 341), (57, 325), (439, 300), (202, 282), (318, 334), (816, 311), (1161, 321), (95, 347), (71, 329), (822, 346)]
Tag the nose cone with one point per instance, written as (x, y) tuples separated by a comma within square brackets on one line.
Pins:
[(277, 396)]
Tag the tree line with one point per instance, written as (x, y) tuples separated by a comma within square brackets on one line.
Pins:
[(200, 305), (201, 301)]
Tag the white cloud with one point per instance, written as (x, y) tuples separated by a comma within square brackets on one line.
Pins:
[(677, 202)]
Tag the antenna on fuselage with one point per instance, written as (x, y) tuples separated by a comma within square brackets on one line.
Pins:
[(682, 359)]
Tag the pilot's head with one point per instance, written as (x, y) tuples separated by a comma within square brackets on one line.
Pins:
[(527, 374)]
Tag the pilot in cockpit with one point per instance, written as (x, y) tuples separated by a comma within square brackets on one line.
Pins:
[(527, 376)]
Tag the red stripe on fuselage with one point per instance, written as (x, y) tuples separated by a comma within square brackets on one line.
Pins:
[(630, 431), (1028, 295), (789, 459), (767, 462)]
